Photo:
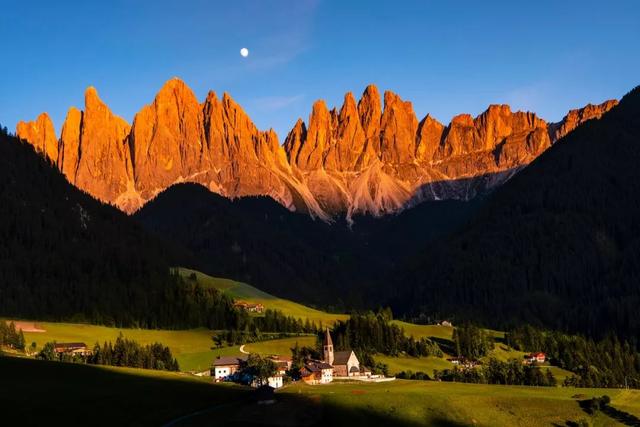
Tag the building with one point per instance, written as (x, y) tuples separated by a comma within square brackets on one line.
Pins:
[(226, 366), (283, 364), (249, 307), (72, 348), (538, 357), (345, 363), (316, 372), (274, 382)]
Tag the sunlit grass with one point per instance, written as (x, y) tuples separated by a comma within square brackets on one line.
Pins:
[(244, 292)]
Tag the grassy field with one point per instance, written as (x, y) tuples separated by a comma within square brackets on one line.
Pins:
[(243, 292), (191, 347), (417, 403), (193, 350), (35, 392), (425, 331), (414, 364), (281, 346), (40, 392)]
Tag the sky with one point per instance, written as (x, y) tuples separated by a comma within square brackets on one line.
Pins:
[(446, 57)]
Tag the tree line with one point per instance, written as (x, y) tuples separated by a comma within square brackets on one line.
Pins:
[(10, 337), (123, 352), (374, 333), (512, 372), (605, 363), (471, 341)]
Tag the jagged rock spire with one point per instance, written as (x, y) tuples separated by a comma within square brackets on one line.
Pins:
[(361, 158)]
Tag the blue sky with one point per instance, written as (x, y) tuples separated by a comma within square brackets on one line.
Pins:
[(446, 57)]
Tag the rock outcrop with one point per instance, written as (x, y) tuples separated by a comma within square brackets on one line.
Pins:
[(41, 134), (576, 117), (365, 158)]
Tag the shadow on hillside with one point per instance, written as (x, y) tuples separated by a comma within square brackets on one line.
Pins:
[(445, 345), (310, 411), (461, 188), (622, 417), (40, 391)]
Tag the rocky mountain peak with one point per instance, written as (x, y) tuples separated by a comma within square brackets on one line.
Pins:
[(41, 134), (576, 117), (365, 157)]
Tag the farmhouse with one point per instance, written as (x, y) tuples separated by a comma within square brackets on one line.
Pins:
[(538, 357), (72, 348), (275, 381), (225, 366), (249, 307), (316, 372), (283, 364)]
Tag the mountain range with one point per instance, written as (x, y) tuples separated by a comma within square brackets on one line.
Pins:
[(367, 158), (555, 246)]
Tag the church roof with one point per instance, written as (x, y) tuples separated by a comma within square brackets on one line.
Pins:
[(341, 357), (229, 360), (327, 338)]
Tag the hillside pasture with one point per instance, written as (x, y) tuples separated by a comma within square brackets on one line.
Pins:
[(244, 292)]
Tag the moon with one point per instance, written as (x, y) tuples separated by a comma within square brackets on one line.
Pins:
[(244, 52)]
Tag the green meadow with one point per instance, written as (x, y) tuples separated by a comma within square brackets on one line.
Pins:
[(244, 292), (280, 346), (193, 348), (40, 392), (455, 404), (55, 393)]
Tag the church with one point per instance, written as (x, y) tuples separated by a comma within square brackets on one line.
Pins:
[(345, 363)]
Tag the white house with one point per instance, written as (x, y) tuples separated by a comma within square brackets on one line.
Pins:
[(225, 366)]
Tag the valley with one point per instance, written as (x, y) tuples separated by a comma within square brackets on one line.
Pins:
[(195, 351), (316, 213)]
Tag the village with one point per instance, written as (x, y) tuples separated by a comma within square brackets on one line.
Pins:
[(334, 365)]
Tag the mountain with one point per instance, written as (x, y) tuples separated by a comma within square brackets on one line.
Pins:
[(557, 246), (365, 158)]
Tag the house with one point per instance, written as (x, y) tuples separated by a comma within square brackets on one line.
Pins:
[(226, 366), (274, 382), (316, 372), (538, 357), (283, 364), (249, 307), (72, 348), (446, 323), (345, 363)]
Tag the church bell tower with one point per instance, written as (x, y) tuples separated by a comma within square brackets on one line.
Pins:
[(327, 348)]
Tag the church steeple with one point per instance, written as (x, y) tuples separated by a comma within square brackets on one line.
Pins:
[(327, 348)]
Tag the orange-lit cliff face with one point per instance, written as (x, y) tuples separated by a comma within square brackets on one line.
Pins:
[(365, 158)]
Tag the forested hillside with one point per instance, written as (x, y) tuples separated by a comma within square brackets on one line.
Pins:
[(257, 241), (63, 255), (558, 245)]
